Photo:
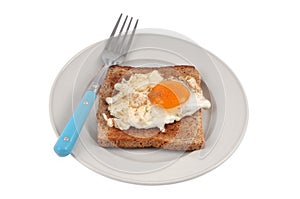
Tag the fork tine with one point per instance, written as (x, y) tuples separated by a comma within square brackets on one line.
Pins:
[(117, 47), (126, 48), (127, 28), (116, 26), (125, 36), (113, 32), (123, 25), (129, 25)]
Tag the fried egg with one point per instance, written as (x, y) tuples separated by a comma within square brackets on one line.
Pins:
[(149, 101)]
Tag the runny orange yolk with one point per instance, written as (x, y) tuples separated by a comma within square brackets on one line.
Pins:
[(169, 94)]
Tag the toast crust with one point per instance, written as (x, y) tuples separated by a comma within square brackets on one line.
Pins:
[(186, 134)]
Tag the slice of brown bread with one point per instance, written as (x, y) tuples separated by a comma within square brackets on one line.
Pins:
[(186, 134)]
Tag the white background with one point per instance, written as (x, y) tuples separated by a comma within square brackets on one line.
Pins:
[(259, 40)]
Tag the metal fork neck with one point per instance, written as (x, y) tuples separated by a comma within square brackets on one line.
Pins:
[(98, 79)]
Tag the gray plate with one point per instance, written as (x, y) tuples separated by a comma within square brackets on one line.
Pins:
[(224, 124)]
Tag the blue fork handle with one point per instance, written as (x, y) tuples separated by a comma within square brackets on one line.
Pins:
[(69, 136)]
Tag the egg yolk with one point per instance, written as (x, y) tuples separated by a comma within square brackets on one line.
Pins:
[(169, 94)]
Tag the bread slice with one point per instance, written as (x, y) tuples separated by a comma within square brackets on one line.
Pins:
[(186, 134)]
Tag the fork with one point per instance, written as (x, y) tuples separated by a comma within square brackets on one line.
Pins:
[(114, 53)]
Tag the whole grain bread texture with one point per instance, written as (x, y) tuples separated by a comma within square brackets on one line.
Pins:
[(186, 134)]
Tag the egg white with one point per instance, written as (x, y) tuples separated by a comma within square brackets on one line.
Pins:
[(131, 107)]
